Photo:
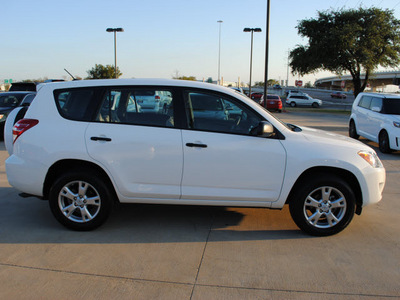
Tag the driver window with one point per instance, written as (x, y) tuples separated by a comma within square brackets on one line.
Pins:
[(211, 112)]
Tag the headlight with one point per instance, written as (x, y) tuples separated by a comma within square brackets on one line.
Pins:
[(396, 124), (371, 158), (3, 117)]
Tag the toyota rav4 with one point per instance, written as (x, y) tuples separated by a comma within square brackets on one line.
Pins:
[(84, 145)]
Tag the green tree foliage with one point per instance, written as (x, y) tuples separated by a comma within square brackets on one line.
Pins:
[(192, 78), (355, 41), (103, 72), (271, 82)]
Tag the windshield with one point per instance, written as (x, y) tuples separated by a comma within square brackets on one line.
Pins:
[(391, 106), (10, 100)]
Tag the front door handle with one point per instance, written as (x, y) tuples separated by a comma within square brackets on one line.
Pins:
[(99, 138), (196, 145)]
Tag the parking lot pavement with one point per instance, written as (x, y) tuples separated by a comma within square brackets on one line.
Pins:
[(183, 252)]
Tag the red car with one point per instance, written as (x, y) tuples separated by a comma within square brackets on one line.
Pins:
[(256, 96), (339, 95), (273, 102)]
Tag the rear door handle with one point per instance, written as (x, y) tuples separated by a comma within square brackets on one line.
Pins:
[(99, 138), (196, 145)]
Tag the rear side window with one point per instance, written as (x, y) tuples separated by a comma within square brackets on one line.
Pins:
[(75, 104), (376, 103), (137, 106)]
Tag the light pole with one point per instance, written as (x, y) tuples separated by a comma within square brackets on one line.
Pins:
[(266, 57), (219, 53), (251, 51), (115, 30)]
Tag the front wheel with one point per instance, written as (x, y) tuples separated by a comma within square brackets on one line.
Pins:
[(80, 201), (315, 105), (293, 104), (322, 206), (384, 144)]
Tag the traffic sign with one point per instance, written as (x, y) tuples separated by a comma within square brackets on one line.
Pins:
[(299, 82)]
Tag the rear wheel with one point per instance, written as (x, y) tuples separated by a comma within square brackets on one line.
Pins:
[(384, 144), (293, 104), (323, 206), (80, 201)]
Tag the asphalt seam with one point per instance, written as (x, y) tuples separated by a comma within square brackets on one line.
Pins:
[(196, 284), (202, 256)]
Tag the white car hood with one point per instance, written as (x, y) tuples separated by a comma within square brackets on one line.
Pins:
[(321, 136)]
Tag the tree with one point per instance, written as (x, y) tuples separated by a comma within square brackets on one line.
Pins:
[(355, 41), (271, 82), (103, 72), (308, 84), (192, 78)]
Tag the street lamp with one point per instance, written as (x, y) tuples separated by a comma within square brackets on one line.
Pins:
[(115, 30), (251, 51), (219, 52)]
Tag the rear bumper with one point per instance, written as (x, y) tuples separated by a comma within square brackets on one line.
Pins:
[(25, 175)]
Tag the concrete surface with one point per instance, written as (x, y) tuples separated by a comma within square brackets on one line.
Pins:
[(181, 252)]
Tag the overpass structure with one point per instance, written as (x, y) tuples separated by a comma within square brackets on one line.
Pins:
[(344, 82)]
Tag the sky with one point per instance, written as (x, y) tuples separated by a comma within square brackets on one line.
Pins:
[(160, 39)]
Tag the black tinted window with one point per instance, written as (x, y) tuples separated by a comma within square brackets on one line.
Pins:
[(75, 103), (8, 100), (391, 106)]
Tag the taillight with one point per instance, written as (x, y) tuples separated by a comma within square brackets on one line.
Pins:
[(157, 98), (21, 126)]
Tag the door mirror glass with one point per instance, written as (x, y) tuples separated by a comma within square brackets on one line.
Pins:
[(265, 129)]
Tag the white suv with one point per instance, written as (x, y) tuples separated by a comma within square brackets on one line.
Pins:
[(377, 118), (82, 150), (294, 100)]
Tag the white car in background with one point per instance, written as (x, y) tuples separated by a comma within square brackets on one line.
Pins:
[(302, 100), (377, 118), (82, 145)]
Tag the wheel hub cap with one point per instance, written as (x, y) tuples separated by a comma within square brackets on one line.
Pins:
[(325, 207)]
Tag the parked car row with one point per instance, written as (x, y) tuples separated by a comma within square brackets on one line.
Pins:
[(212, 146), (11, 100)]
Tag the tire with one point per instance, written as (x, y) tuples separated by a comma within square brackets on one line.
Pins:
[(353, 130), (293, 104), (384, 144), (315, 105), (80, 201), (323, 205)]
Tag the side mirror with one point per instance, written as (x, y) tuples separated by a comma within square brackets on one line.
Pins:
[(265, 129)]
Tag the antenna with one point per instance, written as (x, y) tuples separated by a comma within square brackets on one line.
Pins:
[(73, 78)]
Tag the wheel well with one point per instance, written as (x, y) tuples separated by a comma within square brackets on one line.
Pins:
[(344, 174), (381, 131), (66, 165)]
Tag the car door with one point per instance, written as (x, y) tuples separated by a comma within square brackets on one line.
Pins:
[(374, 118), (223, 159), (362, 113), (141, 149)]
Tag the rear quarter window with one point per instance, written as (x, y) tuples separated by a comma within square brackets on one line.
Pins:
[(75, 104)]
